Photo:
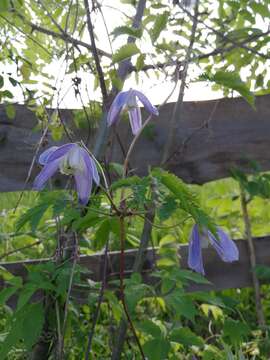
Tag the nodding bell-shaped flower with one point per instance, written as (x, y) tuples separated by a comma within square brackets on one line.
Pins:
[(224, 246), (69, 159), (128, 100)]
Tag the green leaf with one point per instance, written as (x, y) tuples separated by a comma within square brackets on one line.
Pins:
[(127, 182), (192, 276), (126, 30), (102, 233), (32, 324), (1, 81), (235, 331), (156, 349), (231, 80), (4, 5), (6, 94), (150, 328), (188, 200), (262, 272), (186, 337), (260, 8), (6, 293), (33, 216), (182, 304), (125, 52), (159, 25), (10, 111)]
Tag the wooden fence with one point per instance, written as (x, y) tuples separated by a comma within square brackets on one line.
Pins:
[(212, 137)]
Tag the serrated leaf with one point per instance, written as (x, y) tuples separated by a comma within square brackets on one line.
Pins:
[(4, 5), (188, 200), (159, 25), (186, 337), (125, 52), (127, 182), (231, 80), (156, 349), (182, 304), (150, 328), (127, 30), (32, 216), (260, 8), (32, 329), (235, 331)]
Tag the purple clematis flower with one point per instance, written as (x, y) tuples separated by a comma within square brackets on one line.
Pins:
[(224, 246), (128, 100), (69, 159)]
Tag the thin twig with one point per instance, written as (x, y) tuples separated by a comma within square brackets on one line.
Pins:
[(100, 299), (252, 256), (19, 249), (75, 259), (95, 53)]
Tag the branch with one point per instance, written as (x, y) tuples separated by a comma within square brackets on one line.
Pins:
[(178, 105), (224, 37), (215, 52), (63, 35), (95, 54)]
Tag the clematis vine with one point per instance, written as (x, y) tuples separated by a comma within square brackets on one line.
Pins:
[(224, 246), (128, 100), (69, 159)]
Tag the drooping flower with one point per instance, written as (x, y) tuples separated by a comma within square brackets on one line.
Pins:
[(224, 246), (69, 159), (128, 100)]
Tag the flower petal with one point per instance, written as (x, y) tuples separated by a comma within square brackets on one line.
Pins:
[(225, 247), (135, 119), (48, 171), (91, 166), (117, 106), (195, 261), (43, 158), (83, 185), (61, 151), (147, 104)]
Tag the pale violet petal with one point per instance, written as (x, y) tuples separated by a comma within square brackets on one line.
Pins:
[(44, 157), (83, 185), (147, 104), (61, 151), (195, 261), (91, 166), (46, 173), (117, 105), (224, 246), (135, 119)]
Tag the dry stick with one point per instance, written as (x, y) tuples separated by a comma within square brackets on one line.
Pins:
[(252, 256), (179, 104)]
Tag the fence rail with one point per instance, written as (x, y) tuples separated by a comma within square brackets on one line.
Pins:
[(221, 275), (212, 137)]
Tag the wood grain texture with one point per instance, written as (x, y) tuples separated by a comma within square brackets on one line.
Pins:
[(212, 137), (221, 275)]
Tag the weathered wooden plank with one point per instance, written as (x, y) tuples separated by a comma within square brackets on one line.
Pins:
[(221, 275), (211, 138)]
